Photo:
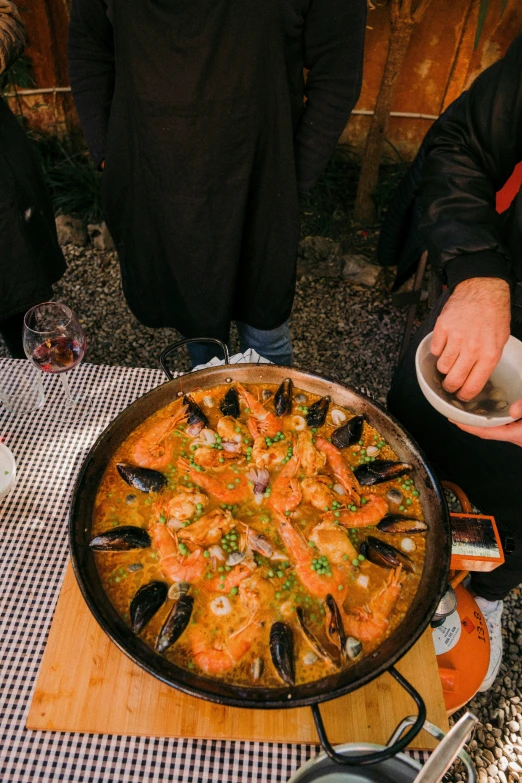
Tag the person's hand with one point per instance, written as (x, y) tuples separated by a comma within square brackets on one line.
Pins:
[(510, 433), (470, 334)]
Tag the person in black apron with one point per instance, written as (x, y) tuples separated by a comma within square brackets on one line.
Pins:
[(30, 256), (196, 111)]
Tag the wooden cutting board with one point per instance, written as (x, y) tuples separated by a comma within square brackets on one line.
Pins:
[(86, 684)]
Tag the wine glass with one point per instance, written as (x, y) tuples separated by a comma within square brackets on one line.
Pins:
[(55, 342)]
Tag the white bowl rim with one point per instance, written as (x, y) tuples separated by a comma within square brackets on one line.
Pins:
[(472, 419)]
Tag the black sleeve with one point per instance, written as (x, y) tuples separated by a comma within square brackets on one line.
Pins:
[(90, 52), (333, 52), (470, 159)]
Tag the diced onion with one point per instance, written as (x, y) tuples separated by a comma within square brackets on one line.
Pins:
[(408, 545), (208, 401), (363, 580), (339, 489), (309, 658), (221, 605)]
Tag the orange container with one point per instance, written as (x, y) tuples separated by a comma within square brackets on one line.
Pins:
[(475, 543)]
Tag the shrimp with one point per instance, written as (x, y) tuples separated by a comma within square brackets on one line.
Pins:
[(340, 468), (228, 487), (181, 505), (317, 492), (216, 654), (207, 457), (209, 529), (261, 422), (333, 542), (231, 431), (312, 461), (370, 622), (175, 565), (234, 577), (286, 492), (375, 508), (266, 456), (319, 585), (152, 450)]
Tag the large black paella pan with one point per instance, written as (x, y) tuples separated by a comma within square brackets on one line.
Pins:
[(417, 618)]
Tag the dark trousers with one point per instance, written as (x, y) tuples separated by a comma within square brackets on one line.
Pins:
[(11, 330), (490, 472)]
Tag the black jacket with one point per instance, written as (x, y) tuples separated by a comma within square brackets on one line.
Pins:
[(468, 160)]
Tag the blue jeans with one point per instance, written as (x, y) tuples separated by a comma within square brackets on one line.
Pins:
[(273, 344)]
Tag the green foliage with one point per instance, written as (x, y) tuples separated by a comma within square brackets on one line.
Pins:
[(18, 75), (326, 209), (71, 178), (483, 12)]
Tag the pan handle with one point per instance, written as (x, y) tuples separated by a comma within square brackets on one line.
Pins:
[(174, 347), (389, 750)]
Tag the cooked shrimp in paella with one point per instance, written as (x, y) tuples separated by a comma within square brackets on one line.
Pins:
[(268, 540)]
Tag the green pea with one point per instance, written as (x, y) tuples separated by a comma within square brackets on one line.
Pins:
[(361, 558), (230, 486), (415, 493), (234, 591), (355, 562), (408, 501), (402, 508)]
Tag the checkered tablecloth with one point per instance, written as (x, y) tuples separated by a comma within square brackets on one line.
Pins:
[(33, 555)]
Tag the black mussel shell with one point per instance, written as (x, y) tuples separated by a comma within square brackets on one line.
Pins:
[(282, 651), (283, 398), (382, 554), (379, 471), (175, 623), (349, 433), (335, 627), (394, 523), (316, 415), (146, 603), (195, 414), (144, 479), (121, 539), (314, 642), (229, 405)]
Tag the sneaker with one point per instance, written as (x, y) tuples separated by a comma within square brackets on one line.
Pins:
[(492, 611)]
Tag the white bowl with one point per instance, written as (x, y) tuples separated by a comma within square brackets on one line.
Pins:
[(7, 471), (507, 375)]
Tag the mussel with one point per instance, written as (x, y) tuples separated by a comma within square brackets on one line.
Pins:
[(353, 648), (349, 433), (229, 405), (382, 554), (283, 398), (335, 627), (314, 642), (121, 539), (175, 623), (146, 603), (394, 523), (316, 415), (196, 418), (144, 479), (381, 470), (282, 651)]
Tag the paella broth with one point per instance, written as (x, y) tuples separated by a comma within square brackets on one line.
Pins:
[(278, 591)]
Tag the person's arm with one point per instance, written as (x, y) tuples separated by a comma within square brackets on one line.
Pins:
[(333, 46), (509, 433), (470, 158), (12, 35), (90, 52)]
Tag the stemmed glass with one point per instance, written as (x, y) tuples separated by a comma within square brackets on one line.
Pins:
[(55, 342)]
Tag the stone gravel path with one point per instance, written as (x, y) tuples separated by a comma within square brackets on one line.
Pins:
[(350, 334)]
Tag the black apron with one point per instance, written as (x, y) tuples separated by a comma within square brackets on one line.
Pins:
[(30, 256), (199, 184)]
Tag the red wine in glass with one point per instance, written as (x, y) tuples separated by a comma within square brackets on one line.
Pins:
[(58, 354), (55, 342)]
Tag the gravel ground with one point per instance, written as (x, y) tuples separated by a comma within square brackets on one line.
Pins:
[(349, 334)]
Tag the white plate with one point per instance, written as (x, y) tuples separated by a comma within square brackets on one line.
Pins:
[(507, 375), (7, 471)]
